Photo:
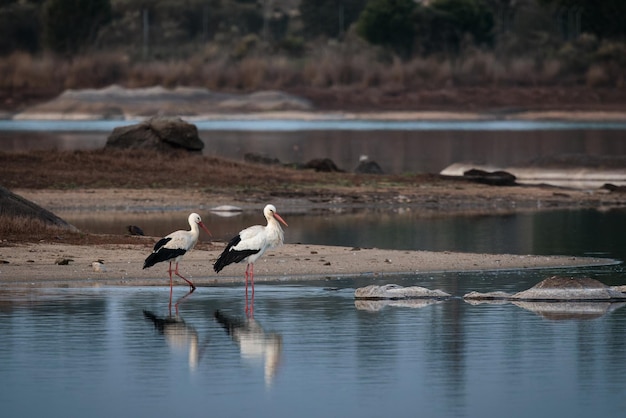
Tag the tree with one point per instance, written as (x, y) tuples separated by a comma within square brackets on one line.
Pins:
[(70, 25), (389, 23), (19, 28), (602, 18), (329, 17), (445, 24)]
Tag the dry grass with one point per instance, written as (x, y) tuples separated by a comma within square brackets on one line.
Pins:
[(352, 70), (115, 169), (13, 226), (15, 229), (152, 169)]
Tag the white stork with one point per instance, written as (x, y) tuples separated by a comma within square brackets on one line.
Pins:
[(173, 247), (251, 243)]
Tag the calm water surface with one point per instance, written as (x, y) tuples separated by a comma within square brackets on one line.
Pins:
[(567, 232), (313, 352), (397, 146)]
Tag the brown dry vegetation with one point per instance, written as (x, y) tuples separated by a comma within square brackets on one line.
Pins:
[(20, 229), (122, 169), (153, 169), (331, 78)]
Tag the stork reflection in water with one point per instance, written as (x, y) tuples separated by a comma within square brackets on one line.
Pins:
[(255, 344), (179, 335)]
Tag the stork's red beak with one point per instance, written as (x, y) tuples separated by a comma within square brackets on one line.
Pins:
[(205, 228), (277, 216)]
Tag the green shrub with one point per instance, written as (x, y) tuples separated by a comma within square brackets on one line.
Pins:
[(389, 23)]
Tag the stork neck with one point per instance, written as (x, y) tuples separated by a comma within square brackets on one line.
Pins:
[(195, 229), (273, 223)]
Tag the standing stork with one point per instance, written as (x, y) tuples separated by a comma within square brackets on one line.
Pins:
[(173, 247), (250, 244)]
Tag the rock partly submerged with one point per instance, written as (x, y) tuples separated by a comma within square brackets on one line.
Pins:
[(375, 305), (552, 289), (569, 310), (396, 292), (557, 289), (553, 298)]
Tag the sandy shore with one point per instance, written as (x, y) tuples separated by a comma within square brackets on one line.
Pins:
[(34, 265), (27, 264)]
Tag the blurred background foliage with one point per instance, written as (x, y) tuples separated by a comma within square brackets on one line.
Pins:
[(249, 44)]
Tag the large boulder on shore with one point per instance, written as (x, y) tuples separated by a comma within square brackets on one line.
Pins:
[(15, 206), (159, 133)]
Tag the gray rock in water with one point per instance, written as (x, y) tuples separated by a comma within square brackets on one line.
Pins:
[(558, 288), (375, 305), (394, 291), (478, 297), (160, 133), (570, 310)]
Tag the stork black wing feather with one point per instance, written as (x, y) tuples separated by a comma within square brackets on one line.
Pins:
[(161, 243), (163, 254), (230, 256)]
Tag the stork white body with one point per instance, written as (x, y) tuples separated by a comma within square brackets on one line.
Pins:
[(174, 246), (251, 243)]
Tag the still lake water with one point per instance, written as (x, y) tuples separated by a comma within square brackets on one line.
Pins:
[(312, 351), (397, 146)]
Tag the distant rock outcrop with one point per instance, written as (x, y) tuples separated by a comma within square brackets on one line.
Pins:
[(160, 133), (12, 205), (117, 102)]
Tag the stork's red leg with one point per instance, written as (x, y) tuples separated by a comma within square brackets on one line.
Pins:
[(251, 314), (252, 279), (246, 278), (179, 275), (169, 270)]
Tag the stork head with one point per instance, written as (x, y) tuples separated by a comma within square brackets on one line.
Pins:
[(194, 218), (270, 212)]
